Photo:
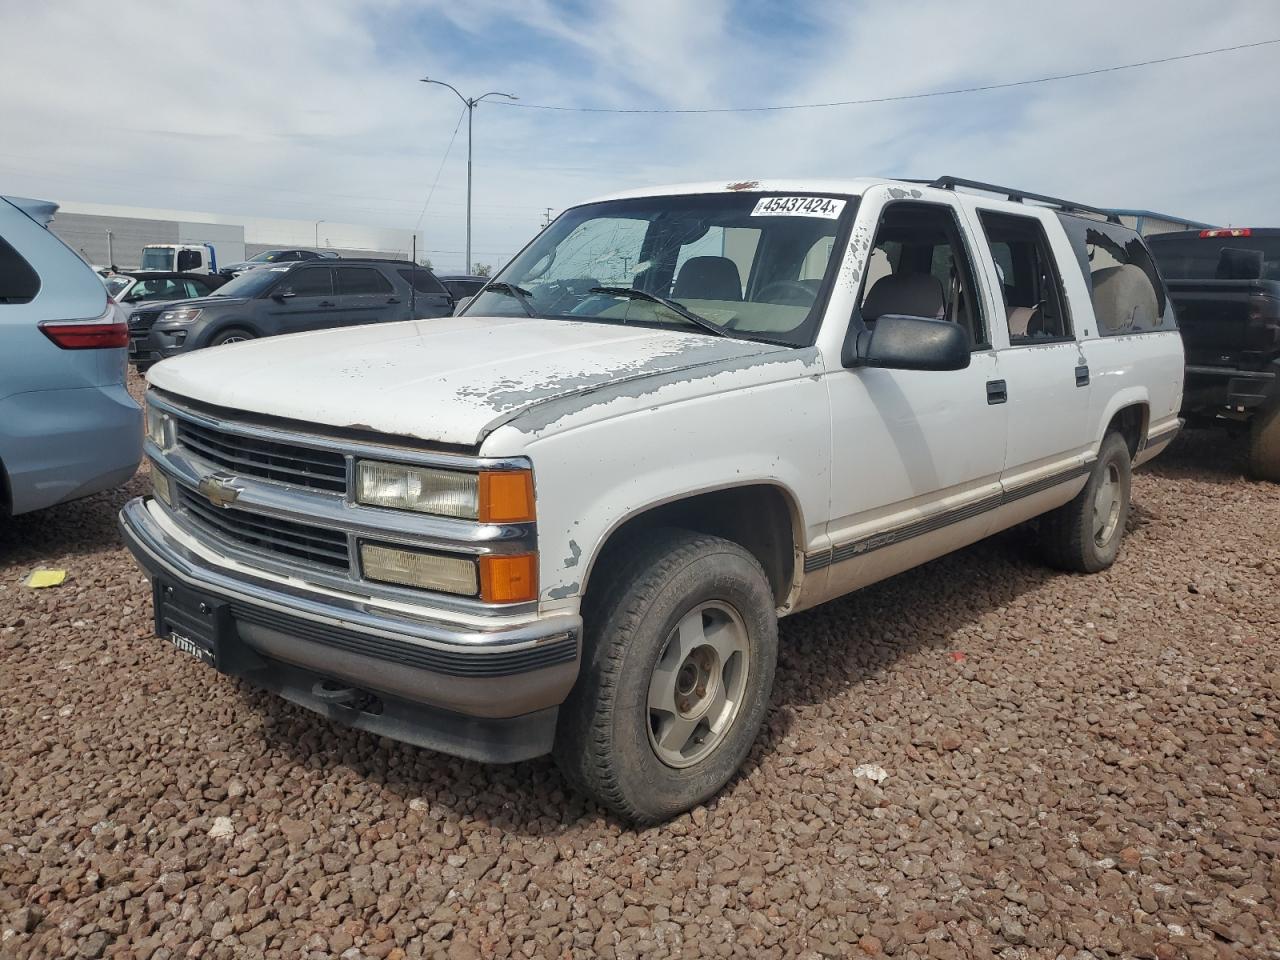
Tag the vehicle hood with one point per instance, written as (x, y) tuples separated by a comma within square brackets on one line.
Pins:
[(452, 381)]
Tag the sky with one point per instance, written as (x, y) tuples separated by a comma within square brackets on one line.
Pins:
[(313, 110)]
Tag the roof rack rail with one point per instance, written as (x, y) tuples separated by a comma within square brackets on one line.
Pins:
[(1017, 196)]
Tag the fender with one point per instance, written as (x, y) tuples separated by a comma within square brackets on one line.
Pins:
[(1130, 396)]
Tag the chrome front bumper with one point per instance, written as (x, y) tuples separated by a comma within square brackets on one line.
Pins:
[(488, 692)]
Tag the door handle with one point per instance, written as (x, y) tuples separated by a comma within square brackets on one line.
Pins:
[(1082, 375), (325, 303), (997, 392), (393, 299)]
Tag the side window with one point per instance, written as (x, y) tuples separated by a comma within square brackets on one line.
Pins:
[(313, 282), (919, 267), (361, 280), (1124, 284), (424, 281), (19, 283), (189, 260), (195, 289), (1035, 309)]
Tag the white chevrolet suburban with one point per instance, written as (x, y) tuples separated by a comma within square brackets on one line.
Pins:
[(568, 519)]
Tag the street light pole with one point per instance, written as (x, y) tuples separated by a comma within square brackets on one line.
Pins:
[(318, 222), (470, 103)]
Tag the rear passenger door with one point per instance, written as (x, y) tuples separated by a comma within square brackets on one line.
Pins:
[(364, 295), (430, 298), (303, 300), (1045, 374)]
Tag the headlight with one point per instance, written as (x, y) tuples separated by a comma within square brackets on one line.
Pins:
[(413, 568), (180, 315), (160, 487), (156, 421), (491, 496), (446, 493)]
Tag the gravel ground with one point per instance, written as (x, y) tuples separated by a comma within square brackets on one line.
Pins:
[(1072, 766)]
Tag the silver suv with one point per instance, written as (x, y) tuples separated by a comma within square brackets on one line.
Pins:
[(68, 427)]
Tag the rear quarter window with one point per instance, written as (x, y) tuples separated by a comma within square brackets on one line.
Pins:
[(1124, 284), (19, 283)]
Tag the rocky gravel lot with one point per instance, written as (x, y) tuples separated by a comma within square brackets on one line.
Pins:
[(979, 758)]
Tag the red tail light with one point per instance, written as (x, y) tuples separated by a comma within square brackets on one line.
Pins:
[(1226, 232), (82, 335)]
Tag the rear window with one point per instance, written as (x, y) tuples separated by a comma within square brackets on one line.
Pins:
[(1217, 258), (1124, 284), (424, 281), (18, 281)]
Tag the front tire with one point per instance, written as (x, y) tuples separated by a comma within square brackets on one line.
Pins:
[(1084, 535), (679, 654), (234, 335)]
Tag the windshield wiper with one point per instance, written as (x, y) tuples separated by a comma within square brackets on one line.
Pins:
[(521, 295), (633, 294)]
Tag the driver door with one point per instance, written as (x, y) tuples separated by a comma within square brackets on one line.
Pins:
[(303, 300), (916, 454)]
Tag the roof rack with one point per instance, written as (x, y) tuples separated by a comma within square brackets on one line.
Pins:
[(1017, 196)]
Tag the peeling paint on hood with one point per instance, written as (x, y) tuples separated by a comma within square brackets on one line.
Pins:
[(446, 381)]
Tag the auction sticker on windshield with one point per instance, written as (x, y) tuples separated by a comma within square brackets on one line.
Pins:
[(827, 207)]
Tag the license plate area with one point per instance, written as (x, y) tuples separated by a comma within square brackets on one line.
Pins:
[(195, 623)]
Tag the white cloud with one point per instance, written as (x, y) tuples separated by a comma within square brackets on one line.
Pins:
[(312, 110)]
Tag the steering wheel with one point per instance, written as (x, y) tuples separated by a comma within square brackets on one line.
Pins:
[(793, 292)]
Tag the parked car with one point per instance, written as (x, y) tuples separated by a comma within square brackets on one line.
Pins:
[(568, 520), (1225, 284), (131, 287), (287, 298), (277, 256), (461, 287), (68, 427)]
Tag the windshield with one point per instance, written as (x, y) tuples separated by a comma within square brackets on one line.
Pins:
[(252, 283), (1217, 258), (756, 266), (115, 285), (157, 258)]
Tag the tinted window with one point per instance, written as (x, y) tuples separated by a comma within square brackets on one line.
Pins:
[(1035, 308), (18, 281), (919, 266), (1127, 293), (424, 281), (1217, 258), (313, 282), (155, 289), (458, 289), (356, 280), (189, 259)]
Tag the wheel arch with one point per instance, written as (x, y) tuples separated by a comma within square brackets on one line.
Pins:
[(1129, 412), (764, 517)]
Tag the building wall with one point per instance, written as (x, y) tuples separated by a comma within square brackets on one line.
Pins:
[(87, 235)]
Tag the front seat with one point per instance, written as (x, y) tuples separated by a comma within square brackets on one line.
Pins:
[(909, 294), (708, 278)]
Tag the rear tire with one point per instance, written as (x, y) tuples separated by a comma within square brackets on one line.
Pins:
[(1084, 535), (678, 659), (1264, 445), (234, 335)]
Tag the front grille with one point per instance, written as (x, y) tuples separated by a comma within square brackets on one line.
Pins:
[(266, 459), (286, 539), (141, 321)]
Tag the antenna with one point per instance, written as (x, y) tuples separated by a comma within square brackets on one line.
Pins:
[(413, 280)]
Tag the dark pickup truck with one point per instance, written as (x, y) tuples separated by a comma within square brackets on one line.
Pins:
[(1225, 286)]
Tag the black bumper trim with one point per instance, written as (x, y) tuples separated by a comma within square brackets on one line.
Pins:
[(487, 740)]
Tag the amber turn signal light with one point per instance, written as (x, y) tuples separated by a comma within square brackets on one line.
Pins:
[(509, 578), (506, 496)]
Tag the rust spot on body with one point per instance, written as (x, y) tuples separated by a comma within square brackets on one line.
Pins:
[(743, 185)]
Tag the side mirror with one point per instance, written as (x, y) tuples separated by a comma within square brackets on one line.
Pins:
[(283, 294), (461, 305), (899, 342)]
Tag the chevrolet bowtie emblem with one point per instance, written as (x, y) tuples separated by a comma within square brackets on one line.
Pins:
[(218, 489)]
